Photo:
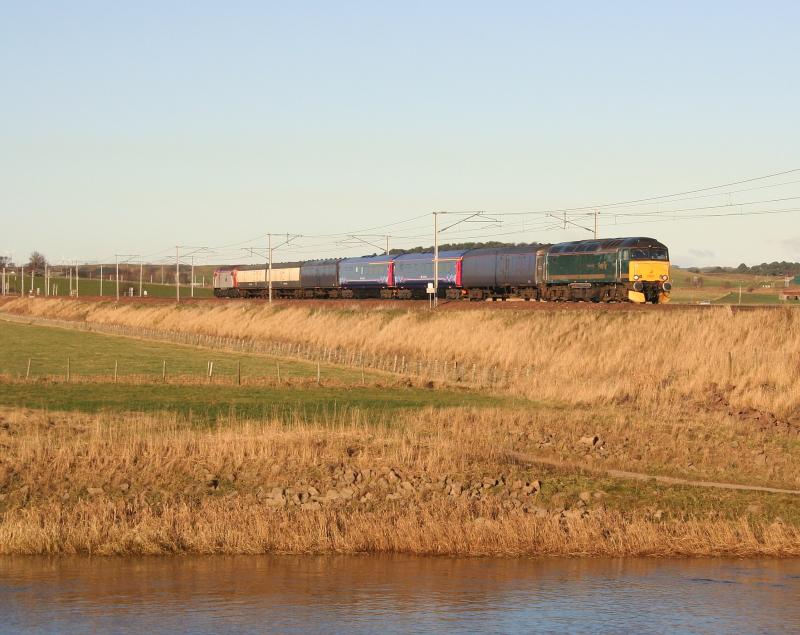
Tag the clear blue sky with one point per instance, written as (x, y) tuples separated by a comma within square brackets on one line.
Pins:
[(130, 127)]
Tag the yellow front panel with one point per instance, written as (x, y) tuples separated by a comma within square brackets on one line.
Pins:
[(648, 270)]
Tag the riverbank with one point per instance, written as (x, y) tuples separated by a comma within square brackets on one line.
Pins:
[(430, 482)]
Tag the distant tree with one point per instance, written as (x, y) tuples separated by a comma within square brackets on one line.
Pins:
[(743, 268), (37, 262), (5, 261), (463, 246)]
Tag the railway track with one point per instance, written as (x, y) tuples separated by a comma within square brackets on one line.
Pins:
[(444, 305)]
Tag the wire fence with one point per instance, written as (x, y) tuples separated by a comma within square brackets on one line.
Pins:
[(449, 371)]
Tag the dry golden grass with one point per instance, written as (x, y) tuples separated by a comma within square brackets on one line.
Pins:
[(135, 484), (655, 358)]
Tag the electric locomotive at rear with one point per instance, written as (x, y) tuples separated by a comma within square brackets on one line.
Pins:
[(610, 270)]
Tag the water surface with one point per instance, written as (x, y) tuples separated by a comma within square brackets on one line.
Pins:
[(369, 594)]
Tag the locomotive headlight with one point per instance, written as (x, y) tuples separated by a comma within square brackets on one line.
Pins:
[(665, 277), (636, 276)]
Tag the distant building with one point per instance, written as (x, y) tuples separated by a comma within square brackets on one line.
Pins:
[(790, 295)]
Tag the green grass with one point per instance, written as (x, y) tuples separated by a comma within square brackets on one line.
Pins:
[(95, 354), (210, 401), (91, 287), (750, 298)]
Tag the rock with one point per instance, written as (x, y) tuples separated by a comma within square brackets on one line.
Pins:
[(275, 502), (531, 487), (382, 483), (346, 493), (408, 487), (517, 485), (349, 477), (585, 496), (125, 487), (393, 497), (658, 515), (313, 491), (572, 514), (455, 489), (275, 470), (276, 492), (311, 506), (393, 476), (94, 491), (590, 441), (367, 497)]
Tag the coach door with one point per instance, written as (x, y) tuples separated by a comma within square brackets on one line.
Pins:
[(541, 269)]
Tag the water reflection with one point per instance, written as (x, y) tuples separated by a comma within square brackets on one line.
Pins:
[(305, 594)]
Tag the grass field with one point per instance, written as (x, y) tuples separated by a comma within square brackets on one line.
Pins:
[(188, 390), (723, 288), (213, 402), (191, 466), (92, 354), (656, 359)]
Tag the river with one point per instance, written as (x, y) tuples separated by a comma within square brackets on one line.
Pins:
[(399, 594)]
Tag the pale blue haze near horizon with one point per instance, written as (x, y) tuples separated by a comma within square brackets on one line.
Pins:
[(132, 127)]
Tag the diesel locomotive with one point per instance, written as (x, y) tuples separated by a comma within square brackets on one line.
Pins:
[(609, 270)]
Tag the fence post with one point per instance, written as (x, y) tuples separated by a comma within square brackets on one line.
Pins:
[(28, 371), (238, 372), (115, 371), (730, 365), (164, 370), (318, 372), (67, 367), (278, 368)]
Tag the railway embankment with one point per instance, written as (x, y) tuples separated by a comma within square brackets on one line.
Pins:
[(657, 359)]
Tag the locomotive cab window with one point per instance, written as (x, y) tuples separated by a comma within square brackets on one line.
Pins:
[(659, 254), (649, 254)]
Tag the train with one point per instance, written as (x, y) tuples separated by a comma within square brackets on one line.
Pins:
[(630, 269)]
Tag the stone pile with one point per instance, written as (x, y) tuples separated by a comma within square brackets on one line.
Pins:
[(352, 486)]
